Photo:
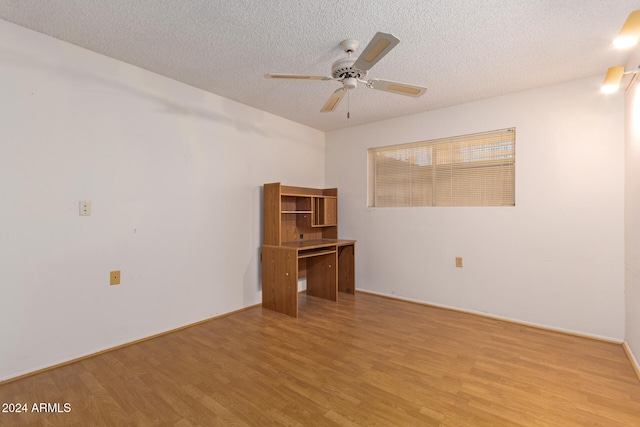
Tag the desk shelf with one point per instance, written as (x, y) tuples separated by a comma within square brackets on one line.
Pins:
[(293, 211), (306, 253), (325, 211), (297, 212)]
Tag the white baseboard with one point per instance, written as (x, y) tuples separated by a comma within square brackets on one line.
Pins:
[(493, 316), (632, 359)]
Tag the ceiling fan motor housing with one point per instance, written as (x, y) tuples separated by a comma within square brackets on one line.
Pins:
[(342, 69)]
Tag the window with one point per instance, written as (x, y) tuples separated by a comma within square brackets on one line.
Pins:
[(469, 170)]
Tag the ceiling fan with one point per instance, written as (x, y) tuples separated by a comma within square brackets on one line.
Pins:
[(350, 70)]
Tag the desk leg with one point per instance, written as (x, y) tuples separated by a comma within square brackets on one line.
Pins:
[(346, 269), (280, 280)]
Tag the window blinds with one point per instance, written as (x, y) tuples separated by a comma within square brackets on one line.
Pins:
[(469, 170)]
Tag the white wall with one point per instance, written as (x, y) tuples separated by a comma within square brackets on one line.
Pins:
[(632, 214), (174, 174), (556, 259)]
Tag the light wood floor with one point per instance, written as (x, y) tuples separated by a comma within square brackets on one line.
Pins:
[(364, 361)]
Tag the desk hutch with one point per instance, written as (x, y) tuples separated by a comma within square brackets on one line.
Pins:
[(301, 240)]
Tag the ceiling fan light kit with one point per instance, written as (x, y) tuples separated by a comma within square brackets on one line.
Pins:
[(350, 70), (627, 38)]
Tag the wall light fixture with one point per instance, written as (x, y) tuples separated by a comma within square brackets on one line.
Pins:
[(627, 38), (630, 32)]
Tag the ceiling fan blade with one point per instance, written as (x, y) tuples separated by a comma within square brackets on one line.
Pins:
[(377, 48), (397, 87), (296, 77), (333, 101)]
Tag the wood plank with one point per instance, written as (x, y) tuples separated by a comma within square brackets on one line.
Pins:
[(271, 213), (358, 361), (301, 191), (331, 211)]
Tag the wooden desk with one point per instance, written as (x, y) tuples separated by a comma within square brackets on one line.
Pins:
[(301, 240), (329, 267)]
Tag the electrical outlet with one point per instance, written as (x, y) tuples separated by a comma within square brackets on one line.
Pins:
[(459, 261), (85, 207), (114, 277)]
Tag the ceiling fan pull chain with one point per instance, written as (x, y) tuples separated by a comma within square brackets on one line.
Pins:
[(348, 105)]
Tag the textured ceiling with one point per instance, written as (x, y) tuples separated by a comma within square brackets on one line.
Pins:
[(462, 50)]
